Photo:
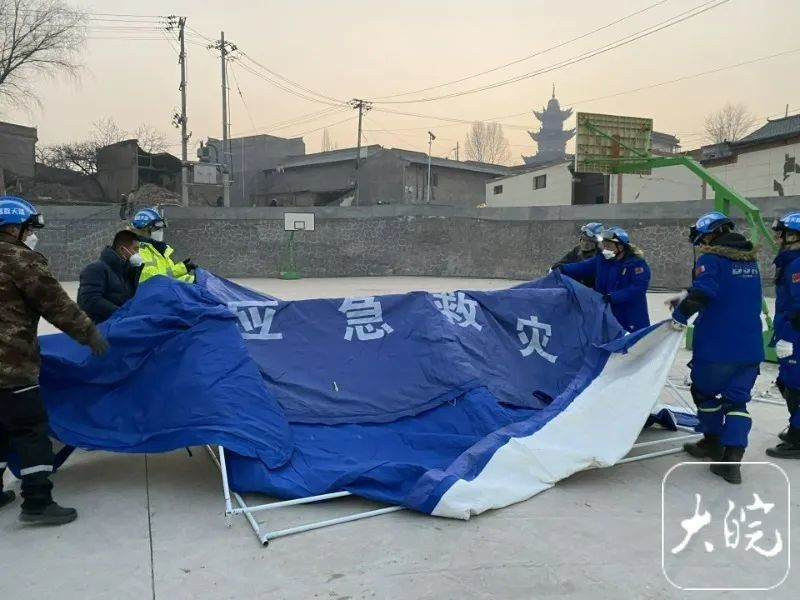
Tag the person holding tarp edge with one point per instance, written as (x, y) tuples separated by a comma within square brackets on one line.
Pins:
[(787, 329), (588, 247), (29, 291), (149, 225), (728, 345), (621, 275)]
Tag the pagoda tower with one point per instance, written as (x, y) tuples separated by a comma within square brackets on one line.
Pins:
[(552, 138)]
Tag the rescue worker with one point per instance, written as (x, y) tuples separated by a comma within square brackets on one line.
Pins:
[(620, 274), (28, 291), (787, 330), (149, 225), (108, 283), (588, 247), (728, 345)]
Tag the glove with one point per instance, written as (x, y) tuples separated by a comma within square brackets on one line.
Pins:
[(677, 325), (676, 300), (784, 349), (98, 344), (190, 266), (678, 318)]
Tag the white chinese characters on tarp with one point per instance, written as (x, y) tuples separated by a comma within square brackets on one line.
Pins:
[(255, 318), (458, 309), (364, 319), (732, 528), (535, 336)]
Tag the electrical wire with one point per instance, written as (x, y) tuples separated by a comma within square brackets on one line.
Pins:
[(241, 97), (287, 89), (680, 18), (530, 56)]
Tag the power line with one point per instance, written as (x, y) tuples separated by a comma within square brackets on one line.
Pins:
[(300, 120), (347, 120), (672, 21), (285, 88), (530, 56), (241, 96), (456, 121), (290, 82)]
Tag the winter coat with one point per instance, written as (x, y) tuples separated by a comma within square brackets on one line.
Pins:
[(29, 291), (577, 255), (623, 284), (106, 284), (726, 291)]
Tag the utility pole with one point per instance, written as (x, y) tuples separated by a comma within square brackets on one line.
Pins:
[(180, 119), (184, 118), (224, 48), (362, 106), (456, 150), (431, 137)]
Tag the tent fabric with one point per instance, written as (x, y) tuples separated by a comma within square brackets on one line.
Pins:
[(448, 404)]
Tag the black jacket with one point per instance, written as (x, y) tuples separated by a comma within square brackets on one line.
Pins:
[(106, 285), (578, 255)]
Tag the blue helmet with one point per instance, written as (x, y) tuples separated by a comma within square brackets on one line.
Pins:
[(788, 222), (16, 211), (708, 223), (592, 230), (615, 234), (148, 217)]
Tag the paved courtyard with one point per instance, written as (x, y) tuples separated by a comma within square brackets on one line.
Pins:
[(153, 526)]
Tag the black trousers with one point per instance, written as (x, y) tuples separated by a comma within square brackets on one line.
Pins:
[(24, 432)]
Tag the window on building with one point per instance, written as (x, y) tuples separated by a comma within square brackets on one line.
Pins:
[(498, 189), (540, 182)]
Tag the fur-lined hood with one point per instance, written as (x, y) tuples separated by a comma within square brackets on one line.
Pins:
[(634, 252), (733, 246)]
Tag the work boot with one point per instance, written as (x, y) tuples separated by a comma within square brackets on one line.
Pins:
[(789, 448), (6, 498), (731, 471), (708, 447), (52, 514)]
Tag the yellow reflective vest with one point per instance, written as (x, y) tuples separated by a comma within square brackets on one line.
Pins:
[(156, 263)]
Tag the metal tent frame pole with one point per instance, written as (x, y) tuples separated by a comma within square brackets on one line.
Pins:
[(266, 536), (242, 508)]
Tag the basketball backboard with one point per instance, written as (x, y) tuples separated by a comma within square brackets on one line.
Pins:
[(604, 141), (298, 221)]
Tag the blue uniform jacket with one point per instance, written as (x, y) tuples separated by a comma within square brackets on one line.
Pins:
[(787, 297), (623, 283), (727, 292)]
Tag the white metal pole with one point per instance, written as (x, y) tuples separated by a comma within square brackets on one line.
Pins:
[(430, 145), (271, 535)]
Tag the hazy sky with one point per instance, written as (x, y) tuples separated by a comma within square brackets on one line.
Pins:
[(358, 48)]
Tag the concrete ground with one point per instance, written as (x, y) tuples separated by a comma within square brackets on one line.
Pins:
[(153, 526)]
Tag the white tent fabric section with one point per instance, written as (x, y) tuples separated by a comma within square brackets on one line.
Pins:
[(597, 429)]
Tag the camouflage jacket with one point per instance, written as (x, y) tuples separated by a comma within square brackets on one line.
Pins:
[(28, 291)]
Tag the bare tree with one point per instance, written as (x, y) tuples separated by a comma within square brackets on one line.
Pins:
[(106, 132), (486, 143), (327, 143), (729, 123), (37, 37), (150, 139)]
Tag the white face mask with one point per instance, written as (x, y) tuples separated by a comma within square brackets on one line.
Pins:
[(136, 260), (608, 254), (158, 235), (31, 241)]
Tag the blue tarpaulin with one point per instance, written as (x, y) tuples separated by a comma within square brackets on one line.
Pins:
[(446, 403)]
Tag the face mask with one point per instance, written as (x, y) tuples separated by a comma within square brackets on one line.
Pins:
[(158, 235), (608, 254), (136, 260), (31, 241)]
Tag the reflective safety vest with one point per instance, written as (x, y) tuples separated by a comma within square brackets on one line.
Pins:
[(156, 263)]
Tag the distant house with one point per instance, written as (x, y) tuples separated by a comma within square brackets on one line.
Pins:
[(384, 175), (17, 151), (664, 143), (763, 163), (249, 157), (124, 167)]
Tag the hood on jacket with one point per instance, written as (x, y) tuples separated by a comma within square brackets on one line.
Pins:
[(731, 245), (633, 251)]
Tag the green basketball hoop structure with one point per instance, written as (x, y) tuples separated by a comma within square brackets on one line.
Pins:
[(293, 222), (614, 144)]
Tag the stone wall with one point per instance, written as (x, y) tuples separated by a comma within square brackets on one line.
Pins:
[(516, 243)]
